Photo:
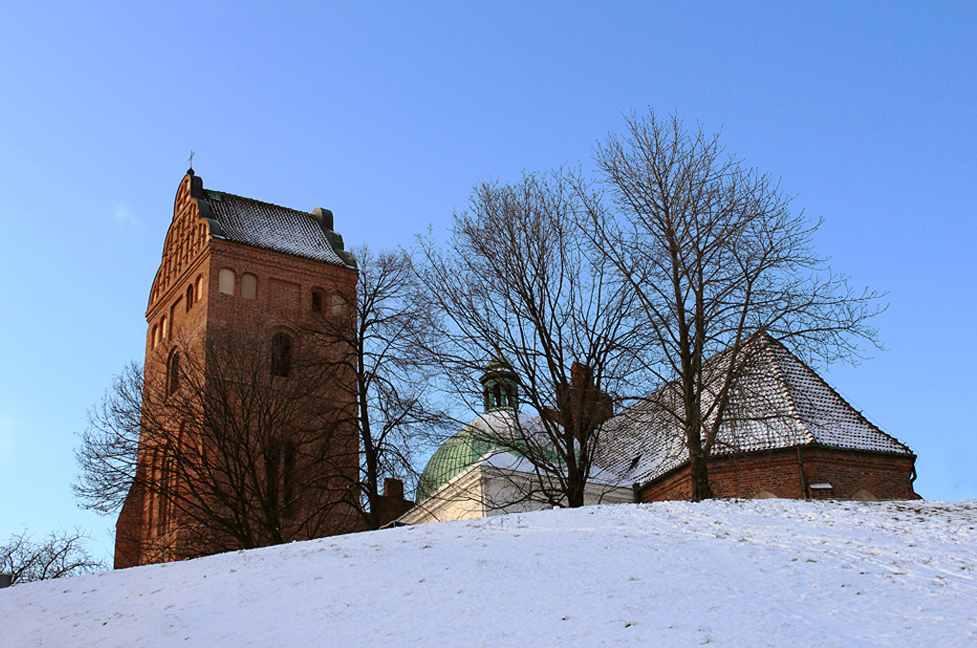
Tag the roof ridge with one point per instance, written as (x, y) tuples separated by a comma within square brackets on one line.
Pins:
[(782, 382), (861, 417), (260, 202), (262, 224)]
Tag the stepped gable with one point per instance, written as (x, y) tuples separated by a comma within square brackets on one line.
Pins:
[(780, 403), (235, 275), (273, 227)]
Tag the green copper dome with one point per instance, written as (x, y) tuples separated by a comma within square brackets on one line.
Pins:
[(500, 393), (502, 431), (454, 456)]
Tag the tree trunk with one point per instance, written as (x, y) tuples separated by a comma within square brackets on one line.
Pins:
[(575, 493), (699, 472)]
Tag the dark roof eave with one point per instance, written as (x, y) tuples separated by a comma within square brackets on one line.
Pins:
[(801, 446), (291, 254)]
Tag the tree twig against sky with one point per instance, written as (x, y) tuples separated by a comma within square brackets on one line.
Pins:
[(714, 254), (244, 446), (394, 414), (109, 445), (517, 282), (59, 554)]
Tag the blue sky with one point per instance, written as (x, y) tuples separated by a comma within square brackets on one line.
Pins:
[(389, 113)]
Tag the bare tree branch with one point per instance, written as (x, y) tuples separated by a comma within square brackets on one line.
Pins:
[(715, 255), (59, 554), (518, 282), (392, 409)]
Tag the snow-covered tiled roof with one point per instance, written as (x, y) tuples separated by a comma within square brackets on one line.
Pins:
[(271, 227), (779, 402)]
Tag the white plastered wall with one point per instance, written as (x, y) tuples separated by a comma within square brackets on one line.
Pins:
[(483, 491)]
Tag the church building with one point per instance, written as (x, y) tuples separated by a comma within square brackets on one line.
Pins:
[(266, 277), (793, 436), (480, 471), (253, 306), (788, 434)]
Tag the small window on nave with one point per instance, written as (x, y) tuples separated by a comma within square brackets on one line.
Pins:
[(317, 301), (249, 286), (189, 297), (225, 281)]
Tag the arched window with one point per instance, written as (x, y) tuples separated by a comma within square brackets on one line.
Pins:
[(199, 290), (225, 281), (189, 297), (173, 373), (338, 305), (164, 494), (155, 337), (288, 477), (171, 476), (316, 301), (152, 502), (249, 286), (281, 354), (162, 328)]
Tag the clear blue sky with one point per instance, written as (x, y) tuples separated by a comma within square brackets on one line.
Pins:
[(387, 113)]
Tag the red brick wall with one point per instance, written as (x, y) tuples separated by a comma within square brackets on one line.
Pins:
[(392, 503), (129, 531), (284, 293), (284, 302), (886, 476)]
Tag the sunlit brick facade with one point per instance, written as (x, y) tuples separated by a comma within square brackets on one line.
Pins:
[(230, 263)]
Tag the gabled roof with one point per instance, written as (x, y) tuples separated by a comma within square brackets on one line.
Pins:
[(780, 402), (272, 227)]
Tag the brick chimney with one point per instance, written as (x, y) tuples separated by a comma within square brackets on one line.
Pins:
[(392, 502)]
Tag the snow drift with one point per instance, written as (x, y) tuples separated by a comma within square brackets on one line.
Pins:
[(723, 573)]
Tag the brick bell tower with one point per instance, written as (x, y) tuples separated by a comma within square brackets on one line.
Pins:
[(267, 276)]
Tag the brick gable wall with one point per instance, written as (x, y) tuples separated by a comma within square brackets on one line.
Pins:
[(779, 472)]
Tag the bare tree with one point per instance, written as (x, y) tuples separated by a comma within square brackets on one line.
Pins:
[(390, 404), (59, 554), (110, 445), (518, 283), (714, 256), (241, 444), (363, 352)]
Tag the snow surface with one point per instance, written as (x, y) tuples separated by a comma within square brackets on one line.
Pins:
[(723, 573)]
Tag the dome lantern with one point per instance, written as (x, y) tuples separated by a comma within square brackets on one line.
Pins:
[(500, 386)]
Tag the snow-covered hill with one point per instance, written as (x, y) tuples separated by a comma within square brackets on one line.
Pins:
[(753, 573)]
